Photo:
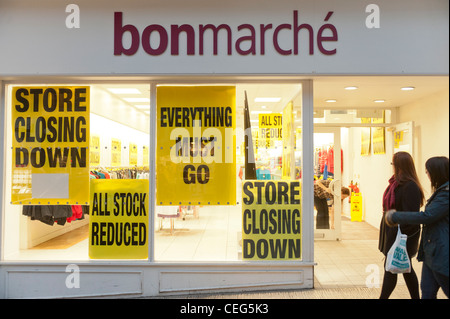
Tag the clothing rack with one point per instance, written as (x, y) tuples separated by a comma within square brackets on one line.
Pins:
[(119, 172)]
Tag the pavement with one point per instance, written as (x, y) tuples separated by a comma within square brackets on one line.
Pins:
[(351, 268)]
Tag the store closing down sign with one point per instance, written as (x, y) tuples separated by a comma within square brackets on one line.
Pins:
[(196, 159), (118, 227), (50, 145), (271, 220)]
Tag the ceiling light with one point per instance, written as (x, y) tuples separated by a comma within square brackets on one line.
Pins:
[(137, 99), (263, 106), (124, 91), (379, 101), (268, 99), (143, 106), (408, 88), (349, 88), (260, 112), (331, 101)]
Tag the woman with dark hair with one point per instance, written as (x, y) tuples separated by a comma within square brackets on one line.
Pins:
[(434, 244), (404, 193)]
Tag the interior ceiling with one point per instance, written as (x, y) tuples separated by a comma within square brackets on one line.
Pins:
[(370, 88)]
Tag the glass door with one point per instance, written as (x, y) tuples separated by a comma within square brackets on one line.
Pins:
[(327, 183)]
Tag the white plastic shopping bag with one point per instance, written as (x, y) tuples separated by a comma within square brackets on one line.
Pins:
[(397, 259)]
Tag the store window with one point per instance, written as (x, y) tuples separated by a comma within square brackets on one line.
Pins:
[(231, 188), (228, 172), (59, 138)]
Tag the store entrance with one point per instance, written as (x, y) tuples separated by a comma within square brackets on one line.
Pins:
[(328, 182)]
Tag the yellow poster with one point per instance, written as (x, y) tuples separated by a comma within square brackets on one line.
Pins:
[(378, 135), (356, 210), (270, 126), (94, 157), (116, 152), (196, 146), (288, 161), (50, 145), (145, 161), (271, 220), (133, 154), (118, 220), (365, 137), (260, 142)]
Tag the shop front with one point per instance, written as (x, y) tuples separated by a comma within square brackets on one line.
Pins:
[(156, 149)]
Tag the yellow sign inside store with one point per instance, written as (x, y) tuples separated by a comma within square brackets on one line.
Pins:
[(118, 221), (378, 136), (133, 154), (195, 153), (50, 145), (95, 151), (356, 208), (270, 126), (116, 152), (398, 138), (271, 220), (288, 163)]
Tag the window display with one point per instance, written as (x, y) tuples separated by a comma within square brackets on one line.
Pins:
[(63, 137), (200, 172)]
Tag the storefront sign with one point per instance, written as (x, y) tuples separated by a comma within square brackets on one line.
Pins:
[(271, 220), (247, 37), (195, 153), (50, 148), (242, 37), (118, 225)]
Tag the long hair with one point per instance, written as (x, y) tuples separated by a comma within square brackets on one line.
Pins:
[(437, 167), (405, 171)]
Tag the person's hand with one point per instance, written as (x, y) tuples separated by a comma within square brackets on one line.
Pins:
[(388, 218)]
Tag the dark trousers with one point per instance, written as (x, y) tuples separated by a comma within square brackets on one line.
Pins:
[(323, 217), (390, 281), (431, 282)]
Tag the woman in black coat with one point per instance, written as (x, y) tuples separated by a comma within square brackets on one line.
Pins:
[(433, 248), (404, 193)]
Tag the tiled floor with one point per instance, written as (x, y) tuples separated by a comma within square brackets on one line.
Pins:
[(353, 261)]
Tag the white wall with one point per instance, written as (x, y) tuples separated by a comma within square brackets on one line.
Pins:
[(431, 130), (372, 173), (431, 138)]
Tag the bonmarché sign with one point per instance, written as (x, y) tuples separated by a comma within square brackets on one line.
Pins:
[(156, 39)]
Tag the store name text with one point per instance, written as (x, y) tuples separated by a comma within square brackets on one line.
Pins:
[(287, 38)]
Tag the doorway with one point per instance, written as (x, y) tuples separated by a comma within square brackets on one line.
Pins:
[(327, 171)]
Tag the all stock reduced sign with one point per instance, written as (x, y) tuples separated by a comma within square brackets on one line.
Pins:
[(50, 145), (271, 220), (118, 225)]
